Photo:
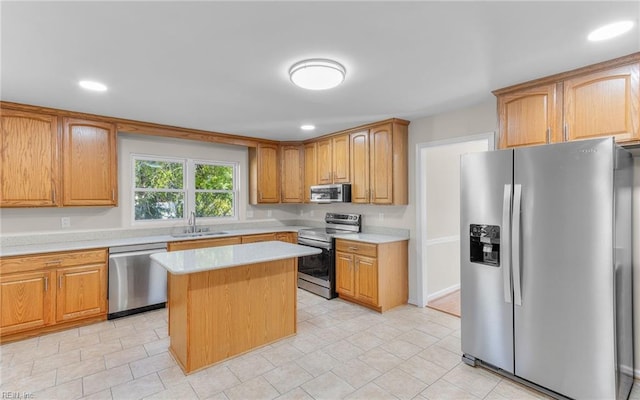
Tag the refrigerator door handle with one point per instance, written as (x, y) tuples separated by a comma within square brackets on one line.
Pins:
[(515, 243), (505, 258)]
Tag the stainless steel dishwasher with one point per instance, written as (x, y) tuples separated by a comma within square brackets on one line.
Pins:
[(136, 284)]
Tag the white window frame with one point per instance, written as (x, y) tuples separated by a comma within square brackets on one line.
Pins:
[(191, 183), (189, 190), (134, 189)]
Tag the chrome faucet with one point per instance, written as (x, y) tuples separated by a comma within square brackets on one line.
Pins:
[(192, 222)]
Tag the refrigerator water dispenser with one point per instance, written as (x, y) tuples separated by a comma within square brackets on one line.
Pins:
[(485, 244)]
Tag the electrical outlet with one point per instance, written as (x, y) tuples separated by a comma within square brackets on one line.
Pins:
[(381, 216), (249, 213), (269, 213), (311, 213), (65, 222)]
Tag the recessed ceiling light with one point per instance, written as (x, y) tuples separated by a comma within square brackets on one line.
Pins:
[(92, 85), (610, 31), (317, 74), (307, 127)]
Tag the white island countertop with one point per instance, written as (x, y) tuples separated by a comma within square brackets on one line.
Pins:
[(210, 258)]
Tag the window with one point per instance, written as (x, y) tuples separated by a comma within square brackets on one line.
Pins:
[(170, 189)]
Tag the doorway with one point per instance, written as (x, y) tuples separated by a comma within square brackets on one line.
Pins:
[(438, 212)]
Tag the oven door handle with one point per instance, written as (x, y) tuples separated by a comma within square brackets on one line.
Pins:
[(314, 243)]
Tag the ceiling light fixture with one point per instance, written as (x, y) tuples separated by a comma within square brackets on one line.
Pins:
[(317, 74), (92, 85), (610, 31), (307, 127)]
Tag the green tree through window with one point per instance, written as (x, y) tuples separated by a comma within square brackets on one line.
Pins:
[(166, 189)]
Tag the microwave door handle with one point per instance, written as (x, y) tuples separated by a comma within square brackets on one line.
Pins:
[(505, 258), (515, 239)]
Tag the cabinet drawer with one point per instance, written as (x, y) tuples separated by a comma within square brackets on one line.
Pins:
[(52, 260), (365, 249)]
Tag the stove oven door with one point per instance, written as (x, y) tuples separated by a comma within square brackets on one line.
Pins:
[(316, 273)]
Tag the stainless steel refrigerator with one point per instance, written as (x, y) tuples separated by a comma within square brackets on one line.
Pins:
[(546, 272)]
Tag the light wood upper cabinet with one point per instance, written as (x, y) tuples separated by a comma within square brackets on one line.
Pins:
[(324, 167), (292, 168), (388, 164), (333, 160), (340, 159), (604, 103), (600, 100), (310, 169), (530, 117), (82, 292), (29, 166), (359, 147), (264, 175), (90, 163), (27, 301)]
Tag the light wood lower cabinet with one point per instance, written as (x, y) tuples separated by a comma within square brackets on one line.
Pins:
[(46, 292), (27, 301), (373, 275), (81, 292)]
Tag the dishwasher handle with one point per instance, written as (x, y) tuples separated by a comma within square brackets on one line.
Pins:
[(136, 253)]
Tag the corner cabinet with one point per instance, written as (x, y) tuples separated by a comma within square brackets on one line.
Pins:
[(89, 157), (600, 100), (264, 176), (372, 275), (52, 291), (29, 172)]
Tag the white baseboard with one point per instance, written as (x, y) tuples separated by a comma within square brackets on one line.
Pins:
[(443, 292)]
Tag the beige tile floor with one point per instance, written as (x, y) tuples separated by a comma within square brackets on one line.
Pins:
[(341, 351)]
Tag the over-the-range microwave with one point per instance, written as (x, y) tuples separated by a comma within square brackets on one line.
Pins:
[(338, 193)]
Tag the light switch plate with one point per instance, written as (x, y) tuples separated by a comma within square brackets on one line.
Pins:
[(269, 213), (65, 222)]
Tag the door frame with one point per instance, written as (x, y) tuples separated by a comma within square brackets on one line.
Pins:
[(421, 198)]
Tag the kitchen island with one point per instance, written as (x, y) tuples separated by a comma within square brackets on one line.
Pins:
[(225, 301)]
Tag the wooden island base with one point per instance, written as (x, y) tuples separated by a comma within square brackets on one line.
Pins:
[(221, 313)]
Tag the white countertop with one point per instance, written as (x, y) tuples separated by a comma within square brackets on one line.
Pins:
[(7, 251), (210, 258), (372, 238)]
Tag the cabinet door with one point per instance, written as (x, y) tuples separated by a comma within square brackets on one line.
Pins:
[(90, 175), (26, 300), (530, 117), (359, 167), (324, 162), (345, 274), (288, 237), (29, 163), (268, 177), (263, 237), (340, 159), (381, 164), (310, 169), (82, 292), (366, 279), (605, 103), (292, 173)]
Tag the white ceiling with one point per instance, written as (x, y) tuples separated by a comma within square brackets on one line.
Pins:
[(222, 66)]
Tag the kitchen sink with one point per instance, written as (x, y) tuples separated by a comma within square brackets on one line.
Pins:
[(198, 234)]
